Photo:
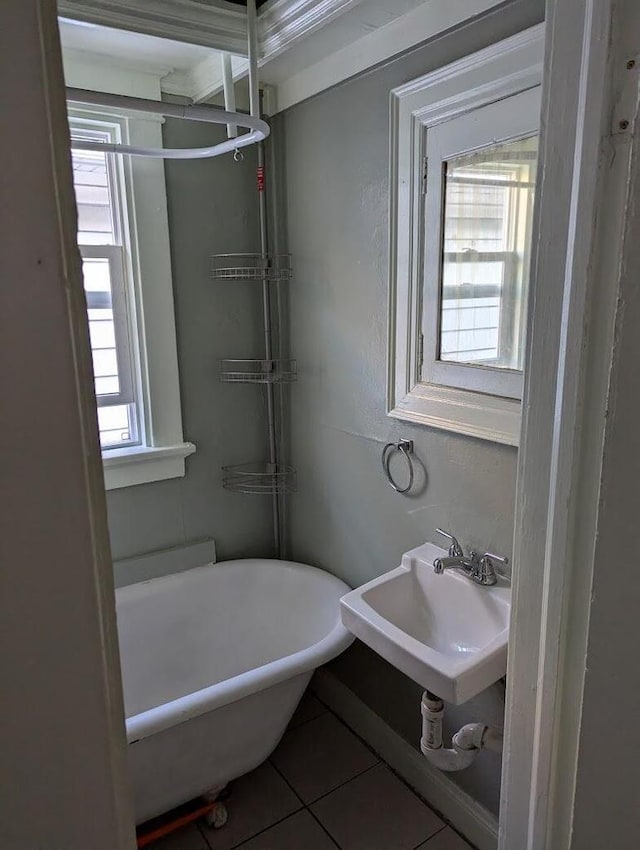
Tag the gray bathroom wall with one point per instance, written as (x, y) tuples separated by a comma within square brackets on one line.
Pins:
[(212, 208), (333, 162)]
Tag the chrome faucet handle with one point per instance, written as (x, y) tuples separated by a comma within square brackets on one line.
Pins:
[(501, 559), (455, 549), (484, 573)]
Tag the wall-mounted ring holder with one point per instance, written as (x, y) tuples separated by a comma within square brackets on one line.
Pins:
[(405, 447)]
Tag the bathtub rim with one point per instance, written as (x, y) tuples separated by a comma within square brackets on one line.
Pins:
[(180, 710)]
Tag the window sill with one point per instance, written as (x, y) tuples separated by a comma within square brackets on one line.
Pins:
[(485, 417), (144, 464)]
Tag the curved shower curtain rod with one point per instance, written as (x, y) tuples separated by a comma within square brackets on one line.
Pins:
[(258, 128)]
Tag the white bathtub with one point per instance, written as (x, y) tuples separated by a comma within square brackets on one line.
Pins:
[(214, 662)]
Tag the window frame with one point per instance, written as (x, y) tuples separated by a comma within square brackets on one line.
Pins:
[(508, 119), (116, 253), (162, 449), (504, 69)]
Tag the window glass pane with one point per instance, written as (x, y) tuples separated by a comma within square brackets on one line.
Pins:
[(93, 196), (106, 385), (101, 330), (97, 275), (488, 206), (104, 363), (116, 425), (97, 285)]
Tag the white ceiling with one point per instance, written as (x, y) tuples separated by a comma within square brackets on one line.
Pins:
[(148, 51)]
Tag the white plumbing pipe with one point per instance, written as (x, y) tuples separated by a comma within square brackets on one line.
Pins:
[(466, 743), (432, 714), (478, 736), (229, 91)]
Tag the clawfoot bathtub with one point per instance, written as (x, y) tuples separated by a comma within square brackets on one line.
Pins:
[(214, 661)]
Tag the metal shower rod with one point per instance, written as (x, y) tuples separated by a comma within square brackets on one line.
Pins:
[(258, 129)]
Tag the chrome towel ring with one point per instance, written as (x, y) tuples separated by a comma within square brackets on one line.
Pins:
[(405, 447)]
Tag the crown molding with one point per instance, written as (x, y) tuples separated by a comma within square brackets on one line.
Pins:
[(281, 22), (211, 23), (405, 32)]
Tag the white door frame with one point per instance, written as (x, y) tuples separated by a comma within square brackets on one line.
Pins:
[(63, 775), (562, 431), (587, 92)]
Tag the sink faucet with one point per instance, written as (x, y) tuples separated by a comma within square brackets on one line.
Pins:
[(479, 568), (455, 549)]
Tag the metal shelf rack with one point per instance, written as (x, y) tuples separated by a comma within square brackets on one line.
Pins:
[(258, 371), (259, 479), (258, 267), (269, 477)]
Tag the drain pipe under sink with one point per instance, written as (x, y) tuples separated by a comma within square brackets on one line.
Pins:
[(466, 743)]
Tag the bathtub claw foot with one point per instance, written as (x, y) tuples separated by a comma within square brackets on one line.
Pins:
[(217, 817)]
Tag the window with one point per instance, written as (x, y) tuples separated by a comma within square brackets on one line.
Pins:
[(478, 216), (127, 280), (488, 212), (464, 161), (103, 246)]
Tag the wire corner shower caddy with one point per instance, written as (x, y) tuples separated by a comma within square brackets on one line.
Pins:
[(268, 477), (260, 479), (259, 267), (258, 371)]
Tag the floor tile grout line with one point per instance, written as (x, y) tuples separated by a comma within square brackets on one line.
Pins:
[(308, 720), (364, 743), (427, 840), (355, 775), (286, 781), (301, 808), (346, 782), (307, 807), (202, 833), (326, 793), (353, 731), (323, 827), (204, 837)]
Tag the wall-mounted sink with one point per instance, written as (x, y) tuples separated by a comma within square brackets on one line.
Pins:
[(444, 631)]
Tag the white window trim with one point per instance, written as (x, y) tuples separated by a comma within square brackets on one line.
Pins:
[(144, 464), (163, 448), (501, 70), (506, 120)]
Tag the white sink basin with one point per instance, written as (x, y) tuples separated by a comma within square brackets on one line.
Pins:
[(444, 631)]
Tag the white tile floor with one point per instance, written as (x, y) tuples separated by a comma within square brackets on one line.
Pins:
[(322, 789)]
